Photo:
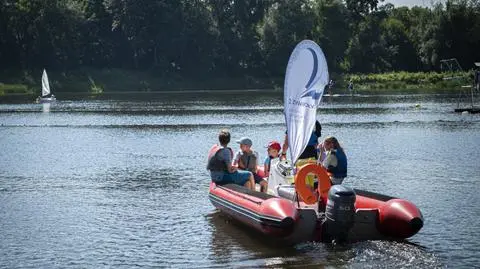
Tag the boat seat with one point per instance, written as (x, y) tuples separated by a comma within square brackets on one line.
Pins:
[(242, 189)]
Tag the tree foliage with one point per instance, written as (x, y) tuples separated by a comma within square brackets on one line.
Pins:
[(208, 38), (286, 23)]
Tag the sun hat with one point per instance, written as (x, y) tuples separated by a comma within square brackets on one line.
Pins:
[(274, 145), (245, 141)]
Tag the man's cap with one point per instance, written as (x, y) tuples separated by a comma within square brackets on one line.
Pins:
[(245, 141), (274, 145)]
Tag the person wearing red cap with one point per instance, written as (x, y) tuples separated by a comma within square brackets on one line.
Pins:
[(273, 148)]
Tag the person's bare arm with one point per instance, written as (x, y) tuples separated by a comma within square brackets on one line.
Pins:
[(241, 165), (231, 168), (255, 169), (283, 154), (285, 144), (229, 162), (321, 153)]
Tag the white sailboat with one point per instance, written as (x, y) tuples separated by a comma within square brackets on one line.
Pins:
[(46, 96)]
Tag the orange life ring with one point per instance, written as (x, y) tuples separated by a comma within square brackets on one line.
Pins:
[(306, 193)]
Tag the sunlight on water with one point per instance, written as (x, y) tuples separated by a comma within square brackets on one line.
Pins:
[(123, 183)]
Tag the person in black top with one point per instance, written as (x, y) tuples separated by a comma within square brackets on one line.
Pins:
[(311, 149), (310, 154)]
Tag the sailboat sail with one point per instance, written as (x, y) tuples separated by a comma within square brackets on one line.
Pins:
[(305, 80), (45, 84)]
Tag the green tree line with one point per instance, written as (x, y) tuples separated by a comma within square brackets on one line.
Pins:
[(234, 38)]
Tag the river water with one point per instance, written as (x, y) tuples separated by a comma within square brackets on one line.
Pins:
[(122, 183)]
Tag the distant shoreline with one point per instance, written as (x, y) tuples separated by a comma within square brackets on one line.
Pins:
[(104, 82)]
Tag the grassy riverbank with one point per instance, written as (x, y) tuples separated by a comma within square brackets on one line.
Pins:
[(409, 82), (94, 81)]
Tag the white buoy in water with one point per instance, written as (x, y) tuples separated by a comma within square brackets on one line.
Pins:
[(465, 112)]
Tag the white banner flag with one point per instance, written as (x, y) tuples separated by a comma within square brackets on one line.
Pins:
[(305, 80)]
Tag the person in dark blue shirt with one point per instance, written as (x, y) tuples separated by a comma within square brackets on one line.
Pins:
[(310, 154), (311, 149)]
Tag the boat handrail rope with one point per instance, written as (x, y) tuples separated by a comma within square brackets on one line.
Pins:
[(305, 192)]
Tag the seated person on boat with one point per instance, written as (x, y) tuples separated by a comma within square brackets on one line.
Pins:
[(220, 164), (247, 159), (273, 149), (334, 159)]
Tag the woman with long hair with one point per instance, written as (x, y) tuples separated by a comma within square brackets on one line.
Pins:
[(334, 159)]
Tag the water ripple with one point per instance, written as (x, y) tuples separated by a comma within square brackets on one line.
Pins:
[(123, 184)]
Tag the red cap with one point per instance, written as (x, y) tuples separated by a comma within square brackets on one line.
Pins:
[(274, 145)]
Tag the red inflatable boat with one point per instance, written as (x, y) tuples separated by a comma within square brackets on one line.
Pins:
[(297, 214), (266, 213)]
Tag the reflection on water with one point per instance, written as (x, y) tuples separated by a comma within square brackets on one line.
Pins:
[(230, 237), (123, 183), (46, 107)]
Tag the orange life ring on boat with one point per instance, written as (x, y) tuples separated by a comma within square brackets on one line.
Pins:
[(306, 193)]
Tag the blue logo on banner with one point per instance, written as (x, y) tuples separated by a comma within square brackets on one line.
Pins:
[(311, 82)]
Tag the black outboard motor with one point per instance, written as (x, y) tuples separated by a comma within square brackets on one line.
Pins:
[(340, 213)]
